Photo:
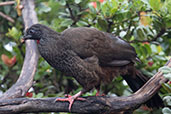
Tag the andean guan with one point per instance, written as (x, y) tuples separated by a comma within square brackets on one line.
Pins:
[(91, 56)]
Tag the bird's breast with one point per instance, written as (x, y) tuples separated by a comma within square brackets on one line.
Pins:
[(60, 59)]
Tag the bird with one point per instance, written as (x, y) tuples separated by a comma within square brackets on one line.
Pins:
[(91, 56)]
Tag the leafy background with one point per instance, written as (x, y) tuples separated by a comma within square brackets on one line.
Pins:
[(146, 24)]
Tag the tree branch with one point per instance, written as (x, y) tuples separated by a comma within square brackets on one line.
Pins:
[(75, 19), (162, 31), (70, 11), (96, 105), (7, 17), (7, 3), (31, 57), (10, 103)]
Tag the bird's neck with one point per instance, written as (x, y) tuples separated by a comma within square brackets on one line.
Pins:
[(49, 43), (38, 41), (49, 37)]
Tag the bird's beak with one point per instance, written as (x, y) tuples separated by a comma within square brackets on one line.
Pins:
[(25, 38)]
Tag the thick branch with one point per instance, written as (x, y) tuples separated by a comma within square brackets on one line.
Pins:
[(31, 57), (96, 105)]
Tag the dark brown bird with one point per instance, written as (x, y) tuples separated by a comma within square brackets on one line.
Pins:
[(91, 56)]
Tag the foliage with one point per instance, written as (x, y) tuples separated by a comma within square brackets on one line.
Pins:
[(144, 23)]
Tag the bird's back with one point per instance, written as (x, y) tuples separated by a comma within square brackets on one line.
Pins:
[(87, 42)]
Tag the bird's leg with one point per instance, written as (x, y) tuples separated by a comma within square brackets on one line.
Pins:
[(98, 92), (71, 99)]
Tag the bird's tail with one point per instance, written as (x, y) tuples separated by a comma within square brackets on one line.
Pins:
[(136, 82)]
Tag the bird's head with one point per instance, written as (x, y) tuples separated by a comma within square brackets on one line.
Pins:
[(40, 33), (34, 32)]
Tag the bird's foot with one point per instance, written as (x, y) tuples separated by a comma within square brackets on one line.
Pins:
[(98, 94), (78, 98), (71, 99)]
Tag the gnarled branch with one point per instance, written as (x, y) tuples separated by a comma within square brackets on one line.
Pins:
[(96, 105), (10, 103), (31, 57)]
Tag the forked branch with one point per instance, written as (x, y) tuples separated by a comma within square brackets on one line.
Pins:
[(11, 103), (31, 57), (95, 105)]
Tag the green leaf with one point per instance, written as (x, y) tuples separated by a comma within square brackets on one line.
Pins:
[(114, 7), (166, 110), (39, 95), (140, 33), (66, 22), (98, 5), (159, 48), (145, 1), (168, 22), (158, 57), (104, 8), (148, 48), (166, 87), (102, 23), (155, 4), (77, 1), (44, 8), (81, 23), (168, 100), (14, 33), (113, 10), (165, 70), (7, 9), (143, 51), (154, 48), (62, 2), (92, 9), (168, 76)]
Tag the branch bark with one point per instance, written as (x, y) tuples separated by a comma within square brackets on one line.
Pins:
[(96, 105), (7, 17), (10, 103), (31, 57), (7, 3), (162, 31)]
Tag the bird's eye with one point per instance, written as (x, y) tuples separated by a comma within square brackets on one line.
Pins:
[(31, 31)]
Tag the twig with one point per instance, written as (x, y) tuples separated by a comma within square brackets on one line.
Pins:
[(110, 23), (74, 18), (7, 17), (162, 31), (93, 22), (70, 11), (7, 3), (126, 20)]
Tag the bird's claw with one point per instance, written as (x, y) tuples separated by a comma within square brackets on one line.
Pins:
[(70, 99), (98, 94)]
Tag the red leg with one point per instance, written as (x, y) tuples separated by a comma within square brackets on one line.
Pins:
[(71, 99), (98, 93)]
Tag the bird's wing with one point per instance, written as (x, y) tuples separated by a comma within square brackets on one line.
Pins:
[(110, 50)]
